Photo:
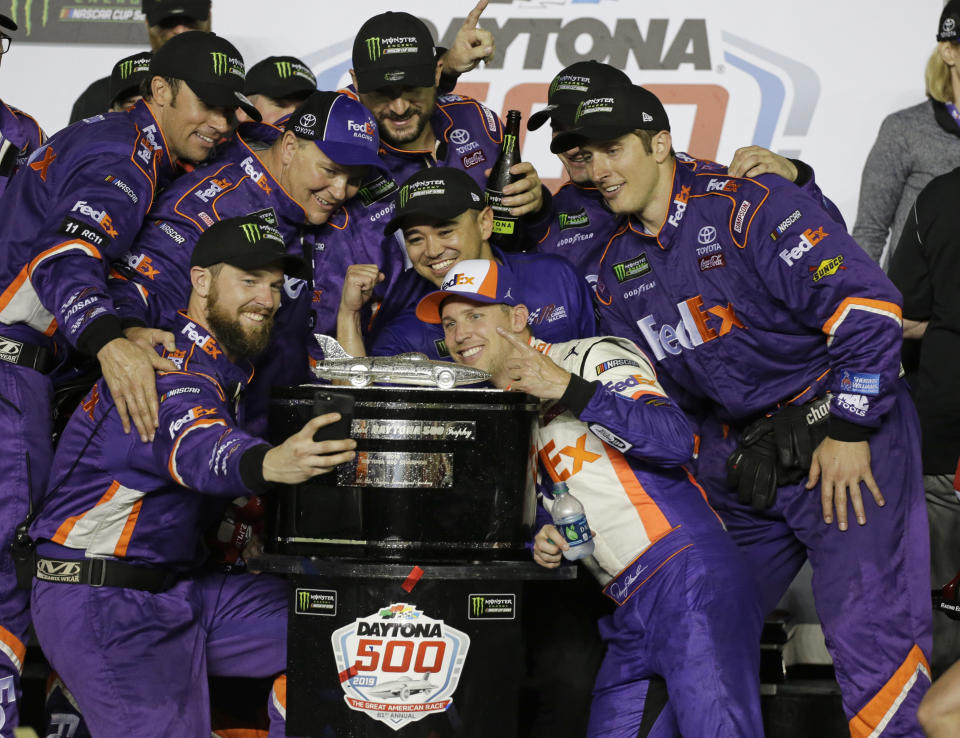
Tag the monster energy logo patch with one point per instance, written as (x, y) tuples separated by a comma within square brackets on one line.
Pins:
[(579, 219), (219, 62), (251, 231), (492, 606), (284, 69), (594, 105), (373, 48), (377, 190), (315, 602), (404, 196), (441, 346), (267, 215), (638, 266), (570, 83)]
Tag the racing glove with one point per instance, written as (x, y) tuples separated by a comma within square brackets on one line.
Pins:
[(752, 467), (798, 430)]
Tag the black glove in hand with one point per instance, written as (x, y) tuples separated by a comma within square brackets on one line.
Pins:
[(798, 430), (752, 467)]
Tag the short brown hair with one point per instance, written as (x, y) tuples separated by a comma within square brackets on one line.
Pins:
[(146, 86)]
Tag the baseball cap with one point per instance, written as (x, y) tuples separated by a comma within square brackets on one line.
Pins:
[(609, 112), (246, 242), (570, 86), (7, 22), (394, 49), (280, 77), (341, 127), (438, 192), (480, 280), (127, 75), (210, 65), (159, 10), (949, 27)]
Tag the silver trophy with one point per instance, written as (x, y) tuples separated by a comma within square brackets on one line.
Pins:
[(411, 369)]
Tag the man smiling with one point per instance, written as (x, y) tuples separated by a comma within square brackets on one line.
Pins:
[(682, 653)]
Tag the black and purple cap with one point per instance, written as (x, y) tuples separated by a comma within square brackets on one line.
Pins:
[(438, 193), (606, 113), (394, 49), (158, 11), (7, 22), (478, 280), (569, 87), (949, 27), (127, 75), (210, 65), (246, 242), (280, 77), (341, 127)]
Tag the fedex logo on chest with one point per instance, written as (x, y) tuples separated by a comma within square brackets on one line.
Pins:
[(697, 325)]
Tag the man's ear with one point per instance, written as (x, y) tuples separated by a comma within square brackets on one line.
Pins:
[(518, 318), (289, 144), (662, 143), (160, 91), (200, 279), (436, 78), (485, 220)]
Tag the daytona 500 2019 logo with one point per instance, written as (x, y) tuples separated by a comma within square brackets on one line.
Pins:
[(399, 665)]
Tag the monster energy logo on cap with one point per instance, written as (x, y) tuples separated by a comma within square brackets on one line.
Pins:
[(316, 602), (219, 62), (404, 196), (284, 69), (126, 68), (251, 231), (492, 606), (373, 48)]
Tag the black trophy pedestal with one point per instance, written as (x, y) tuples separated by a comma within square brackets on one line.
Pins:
[(378, 650)]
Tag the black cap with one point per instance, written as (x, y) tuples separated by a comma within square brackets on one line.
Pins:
[(606, 113), (570, 87), (341, 127), (280, 77), (246, 242), (127, 75), (394, 49), (949, 28), (442, 193), (159, 10), (210, 65), (7, 22)]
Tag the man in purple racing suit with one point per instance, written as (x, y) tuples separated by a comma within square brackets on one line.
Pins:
[(121, 603), (76, 205), (752, 300), (682, 656), (20, 134)]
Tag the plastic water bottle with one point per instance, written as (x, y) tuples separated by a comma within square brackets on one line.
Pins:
[(571, 520)]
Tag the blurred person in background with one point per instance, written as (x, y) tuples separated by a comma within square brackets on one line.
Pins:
[(20, 134), (165, 19), (277, 85), (125, 80)]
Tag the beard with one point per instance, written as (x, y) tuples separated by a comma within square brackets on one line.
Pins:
[(422, 121), (238, 339)]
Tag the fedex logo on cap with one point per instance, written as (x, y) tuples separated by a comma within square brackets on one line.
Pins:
[(458, 279), (362, 127)]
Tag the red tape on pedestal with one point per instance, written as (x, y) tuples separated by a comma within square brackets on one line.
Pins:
[(347, 673), (412, 578)]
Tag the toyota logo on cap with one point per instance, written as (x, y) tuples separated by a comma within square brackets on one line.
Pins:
[(308, 121)]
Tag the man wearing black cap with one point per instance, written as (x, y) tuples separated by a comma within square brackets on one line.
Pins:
[(300, 180), (76, 205), (125, 80), (396, 74), (763, 310), (121, 604), (443, 218), (581, 223), (165, 19), (277, 85), (20, 134)]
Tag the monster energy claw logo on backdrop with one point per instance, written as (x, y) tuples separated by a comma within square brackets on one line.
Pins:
[(251, 231), (219, 62), (373, 48), (284, 69), (303, 600), (476, 605), (492, 606)]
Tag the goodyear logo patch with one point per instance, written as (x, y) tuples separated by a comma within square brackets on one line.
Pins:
[(492, 606), (633, 268), (315, 602)]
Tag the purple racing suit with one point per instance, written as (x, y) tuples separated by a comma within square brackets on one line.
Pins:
[(20, 134), (75, 205), (137, 660), (560, 304), (687, 614), (750, 296)]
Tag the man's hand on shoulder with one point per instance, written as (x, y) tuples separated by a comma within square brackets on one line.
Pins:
[(752, 161)]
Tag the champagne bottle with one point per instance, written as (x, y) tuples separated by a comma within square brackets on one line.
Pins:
[(506, 228)]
